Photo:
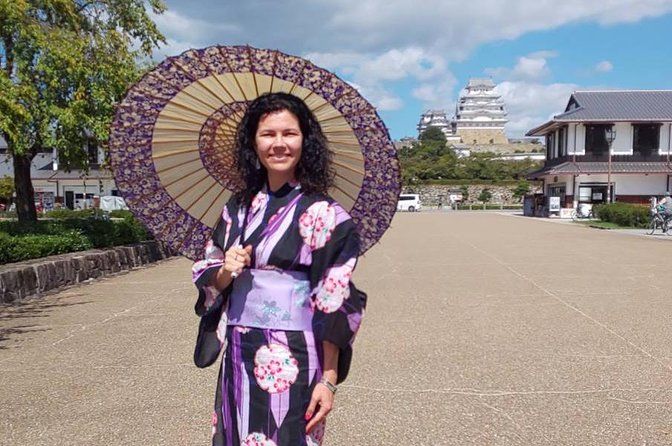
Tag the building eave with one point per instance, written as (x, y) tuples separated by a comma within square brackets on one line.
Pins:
[(543, 129)]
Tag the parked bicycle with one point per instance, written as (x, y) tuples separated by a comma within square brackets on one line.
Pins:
[(582, 211), (659, 220)]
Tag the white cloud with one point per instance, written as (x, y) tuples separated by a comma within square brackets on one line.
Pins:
[(604, 67), (448, 27), (184, 32), (534, 66), (530, 104), (371, 72), (381, 44)]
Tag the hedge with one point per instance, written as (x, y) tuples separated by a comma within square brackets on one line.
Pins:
[(488, 207), (49, 237), (25, 247), (624, 214), (101, 233)]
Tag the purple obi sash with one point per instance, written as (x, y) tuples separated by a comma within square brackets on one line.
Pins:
[(271, 299)]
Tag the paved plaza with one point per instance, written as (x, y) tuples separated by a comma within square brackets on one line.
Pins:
[(481, 329)]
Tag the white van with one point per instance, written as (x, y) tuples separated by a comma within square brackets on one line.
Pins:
[(409, 202)]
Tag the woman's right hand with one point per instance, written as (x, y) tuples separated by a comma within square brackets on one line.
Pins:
[(237, 258)]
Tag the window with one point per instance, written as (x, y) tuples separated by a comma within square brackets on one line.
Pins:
[(562, 141), (645, 139), (549, 145), (596, 140)]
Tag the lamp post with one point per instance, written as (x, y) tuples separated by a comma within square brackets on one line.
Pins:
[(610, 136)]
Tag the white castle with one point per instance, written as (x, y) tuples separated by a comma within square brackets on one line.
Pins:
[(479, 116)]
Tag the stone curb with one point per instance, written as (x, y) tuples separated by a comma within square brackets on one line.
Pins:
[(34, 277)]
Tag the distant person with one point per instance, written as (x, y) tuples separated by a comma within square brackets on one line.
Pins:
[(665, 204)]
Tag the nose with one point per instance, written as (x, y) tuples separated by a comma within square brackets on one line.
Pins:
[(279, 141)]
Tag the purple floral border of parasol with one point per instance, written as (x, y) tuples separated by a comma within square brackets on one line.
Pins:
[(133, 125)]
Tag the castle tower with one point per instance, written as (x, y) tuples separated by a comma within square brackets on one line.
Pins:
[(480, 114)]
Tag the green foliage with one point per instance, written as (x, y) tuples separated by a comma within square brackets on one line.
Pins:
[(63, 66), (433, 134), (465, 192), (521, 189), (430, 160), (120, 213), (17, 249), (65, 213), (6, 188), (624, 214), (485, 196), (48, 237)]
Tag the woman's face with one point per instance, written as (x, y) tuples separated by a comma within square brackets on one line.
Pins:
[(278, 143)]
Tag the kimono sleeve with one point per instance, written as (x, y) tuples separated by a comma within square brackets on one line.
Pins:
[(203, 270), (338, 306)]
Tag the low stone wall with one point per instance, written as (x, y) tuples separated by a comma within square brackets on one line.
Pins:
[(431, 194), (34, 277)]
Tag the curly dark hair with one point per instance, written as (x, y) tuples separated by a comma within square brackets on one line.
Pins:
[(314, 170)]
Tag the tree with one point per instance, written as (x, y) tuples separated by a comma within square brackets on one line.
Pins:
[(433, 134), (521, 189), (485, 196), (63, 66), (465, 192), (6, 188)]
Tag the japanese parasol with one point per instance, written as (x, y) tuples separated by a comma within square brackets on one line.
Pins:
[(172, 141)]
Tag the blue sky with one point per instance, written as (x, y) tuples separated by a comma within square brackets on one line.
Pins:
[(406, 56)]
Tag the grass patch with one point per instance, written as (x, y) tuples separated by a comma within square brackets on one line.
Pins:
[(599, 224)]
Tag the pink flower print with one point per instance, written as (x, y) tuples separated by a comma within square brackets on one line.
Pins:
[(316, 435), (257, 439), (330, 284), (306, 222), (334, 287), (257, 202), (317, 223), (281, 385), (275, 369), (260, 373)]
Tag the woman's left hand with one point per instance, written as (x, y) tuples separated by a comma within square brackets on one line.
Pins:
[(323, 398)]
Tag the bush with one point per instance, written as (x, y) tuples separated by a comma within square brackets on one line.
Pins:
[(120, 213), (24, 247), (100, 233), (65, 213), (623, 214)]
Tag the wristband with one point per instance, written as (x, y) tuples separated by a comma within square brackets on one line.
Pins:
[(332, 388)]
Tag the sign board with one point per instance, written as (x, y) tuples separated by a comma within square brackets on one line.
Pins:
[(554, 204)]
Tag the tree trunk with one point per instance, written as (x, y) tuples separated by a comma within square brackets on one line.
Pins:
[(25, 194)]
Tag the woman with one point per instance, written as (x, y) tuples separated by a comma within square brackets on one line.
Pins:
[(292, 312)]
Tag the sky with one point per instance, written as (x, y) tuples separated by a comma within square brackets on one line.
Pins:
[(406, 56)]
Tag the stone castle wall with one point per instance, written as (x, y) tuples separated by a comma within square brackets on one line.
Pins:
[(482, 136), (430, 195), (38, 276)]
